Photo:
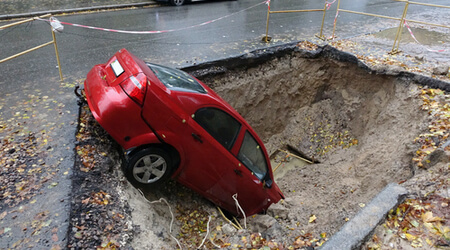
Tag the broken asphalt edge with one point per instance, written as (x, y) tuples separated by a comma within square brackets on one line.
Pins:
[(259, 56), (75, 10)]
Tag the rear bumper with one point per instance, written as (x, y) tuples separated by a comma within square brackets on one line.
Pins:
[(113, 109)]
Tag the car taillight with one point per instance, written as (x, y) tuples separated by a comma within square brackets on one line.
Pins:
[(135, 87)]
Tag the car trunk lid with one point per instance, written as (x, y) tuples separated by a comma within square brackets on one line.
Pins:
[(120, 67)]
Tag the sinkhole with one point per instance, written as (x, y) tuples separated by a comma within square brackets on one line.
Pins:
[(359, 124)]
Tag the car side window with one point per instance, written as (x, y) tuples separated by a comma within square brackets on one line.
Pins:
[(219, 124), (252, 156)]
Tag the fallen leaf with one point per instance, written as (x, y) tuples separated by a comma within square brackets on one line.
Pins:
[(78, 235), (410, 237), (312, 218), (428, 217)]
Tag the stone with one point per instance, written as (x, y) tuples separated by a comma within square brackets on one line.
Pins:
[(267, 226), (262, 222), (228, 229), (278, 211), (438, 155), (392, 70), (419, 57), (292, 201), (441, 70)]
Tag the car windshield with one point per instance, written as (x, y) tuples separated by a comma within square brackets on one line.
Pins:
[(175, 79)]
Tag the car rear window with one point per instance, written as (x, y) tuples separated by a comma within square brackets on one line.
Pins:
[(175, 79)]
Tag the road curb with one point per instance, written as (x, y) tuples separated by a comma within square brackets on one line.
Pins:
[(54, 12), (355, 232)]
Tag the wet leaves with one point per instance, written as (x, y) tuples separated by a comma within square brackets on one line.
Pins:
[(99, 198), (87, 154), (193, 226), (99, 220), (308, 241), (437, 103), (324, 137), (256, 241), (419, 222), (26, 148), (307, 45), (312, 218), (372, 56)]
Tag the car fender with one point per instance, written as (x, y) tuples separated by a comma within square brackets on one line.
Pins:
[(169, 142), (143, 139), (173, 140)]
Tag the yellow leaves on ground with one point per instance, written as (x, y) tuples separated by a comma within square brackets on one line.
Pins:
[(194, 225), (428, 217), (87, 154), (99, 198), (324, 138), (109, 244), (307, 241), (306, 45), (312, 218), (437, 103), (416, 222), (256, 241)]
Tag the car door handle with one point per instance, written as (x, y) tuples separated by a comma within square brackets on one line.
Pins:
[(197, 137), (238, 172)]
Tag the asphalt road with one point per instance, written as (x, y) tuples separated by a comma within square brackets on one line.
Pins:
[(236, 33), (33, 99)]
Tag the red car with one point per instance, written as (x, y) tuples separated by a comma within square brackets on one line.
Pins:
[(171, 125)]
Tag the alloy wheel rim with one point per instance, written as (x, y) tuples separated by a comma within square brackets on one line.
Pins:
[(149, 168)]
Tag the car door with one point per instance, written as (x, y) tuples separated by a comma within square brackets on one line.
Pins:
[(254, 180), (209, 137), (222, 163)]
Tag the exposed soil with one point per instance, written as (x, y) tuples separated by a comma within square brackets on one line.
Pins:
[(360, 125)]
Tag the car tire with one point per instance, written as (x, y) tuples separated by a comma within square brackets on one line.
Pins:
[(149, 167), (176, 2)]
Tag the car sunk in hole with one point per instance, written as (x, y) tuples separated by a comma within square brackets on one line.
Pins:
[(171, 125)]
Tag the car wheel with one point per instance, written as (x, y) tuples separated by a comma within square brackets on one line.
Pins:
[(149, 167), (177, 2)]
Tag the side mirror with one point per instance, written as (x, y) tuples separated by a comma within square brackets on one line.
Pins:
[(268, 183)]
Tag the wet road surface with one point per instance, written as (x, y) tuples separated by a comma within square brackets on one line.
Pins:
[(33, 100)]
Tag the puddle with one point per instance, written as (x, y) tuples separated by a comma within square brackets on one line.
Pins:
[(282, 167), (424, 36)]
